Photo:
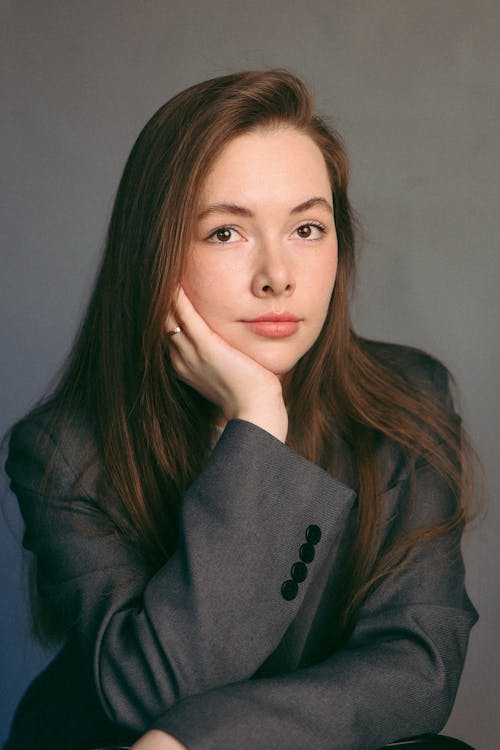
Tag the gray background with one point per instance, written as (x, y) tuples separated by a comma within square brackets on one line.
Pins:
[(413, 85)]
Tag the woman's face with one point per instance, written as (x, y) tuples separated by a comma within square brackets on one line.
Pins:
[(265, 243)]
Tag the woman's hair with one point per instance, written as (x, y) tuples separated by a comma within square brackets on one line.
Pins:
[(153, 432)]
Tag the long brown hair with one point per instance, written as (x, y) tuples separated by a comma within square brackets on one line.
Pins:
[(153, 433)]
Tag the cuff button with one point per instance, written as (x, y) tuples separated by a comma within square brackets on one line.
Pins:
[(299, 572), (306, 552), (313, 533), (289, 590)]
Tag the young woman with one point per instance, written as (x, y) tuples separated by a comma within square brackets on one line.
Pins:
[(245, 519)]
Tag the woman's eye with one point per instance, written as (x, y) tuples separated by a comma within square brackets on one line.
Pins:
[(222, 234), (311, 231)]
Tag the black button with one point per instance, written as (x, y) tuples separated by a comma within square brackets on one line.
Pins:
[(306, 552), (299, 572), (313, 533), (289, 590)]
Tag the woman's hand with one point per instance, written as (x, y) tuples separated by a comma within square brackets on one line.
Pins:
[(240, 386), (155, 739)]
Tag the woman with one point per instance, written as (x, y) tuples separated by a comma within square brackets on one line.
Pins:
[(245, 519)]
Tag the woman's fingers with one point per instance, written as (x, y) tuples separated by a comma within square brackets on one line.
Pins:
[(179, 365), (179, 326), (186, 318)]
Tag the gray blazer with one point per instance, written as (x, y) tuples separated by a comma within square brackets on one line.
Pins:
[(231, 645)]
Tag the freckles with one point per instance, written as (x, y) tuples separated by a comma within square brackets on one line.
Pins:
[(197, 277), (208, 288), (321, 283)]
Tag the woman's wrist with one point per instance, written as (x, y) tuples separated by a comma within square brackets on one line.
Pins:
[(274, 423)]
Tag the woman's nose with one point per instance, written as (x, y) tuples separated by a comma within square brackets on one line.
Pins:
[(273, 274)]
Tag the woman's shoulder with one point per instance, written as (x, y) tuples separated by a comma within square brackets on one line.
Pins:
[(48, 443), (421, 370), (416, 392)]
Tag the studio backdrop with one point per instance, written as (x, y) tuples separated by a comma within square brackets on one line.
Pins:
[(414, 89)]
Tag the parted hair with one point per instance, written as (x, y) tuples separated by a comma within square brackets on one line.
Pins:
[(153, 432)]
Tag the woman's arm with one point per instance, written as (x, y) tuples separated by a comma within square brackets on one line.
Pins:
[(168, 647)]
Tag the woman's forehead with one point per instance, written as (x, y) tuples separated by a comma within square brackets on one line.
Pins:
[(256, 164)]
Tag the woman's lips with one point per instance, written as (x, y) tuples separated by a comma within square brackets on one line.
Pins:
[(273, 328), (274, 324)]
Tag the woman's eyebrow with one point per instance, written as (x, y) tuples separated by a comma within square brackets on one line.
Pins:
[(312, 203), (224, 208), (233, 208)]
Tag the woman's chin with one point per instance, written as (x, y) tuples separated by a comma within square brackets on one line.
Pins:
[(279, 355), (279, 365)]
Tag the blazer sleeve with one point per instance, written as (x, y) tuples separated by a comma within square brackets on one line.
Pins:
[(218, 608), (397, 675)]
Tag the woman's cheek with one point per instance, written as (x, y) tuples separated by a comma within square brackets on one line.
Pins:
[(205, 297)]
